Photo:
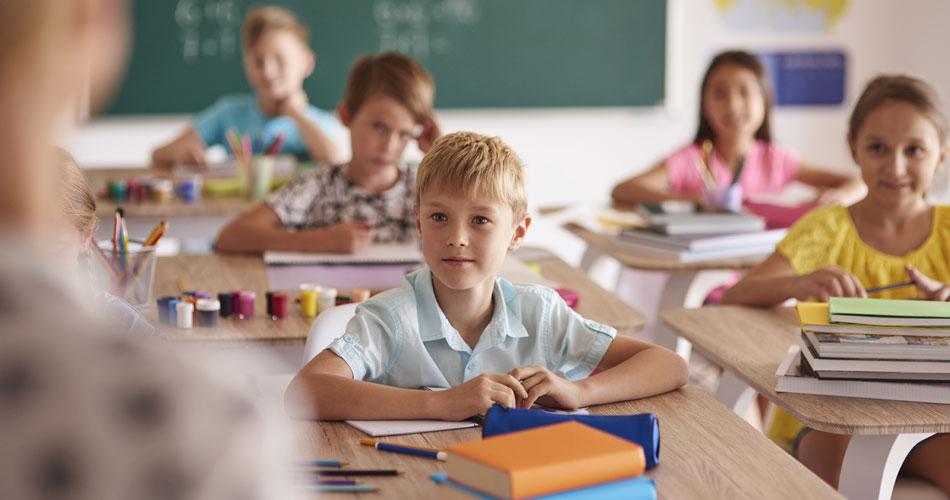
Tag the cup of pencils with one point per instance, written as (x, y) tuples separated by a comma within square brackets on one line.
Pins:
[(125, 267), (260, 178), (725, 198)]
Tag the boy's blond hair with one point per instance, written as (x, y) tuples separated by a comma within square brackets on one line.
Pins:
[(476, 165), (76, 200), (267, 18), (394, 75)]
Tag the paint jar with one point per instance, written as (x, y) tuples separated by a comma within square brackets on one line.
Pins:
[(189, 189), (208, 310), (308, 303), (227, 304), (246, 304), (185, 314), (162, 304), (279, 306), (118, 190), (269, 296), (326, 299), (162, 190), (173, 311)]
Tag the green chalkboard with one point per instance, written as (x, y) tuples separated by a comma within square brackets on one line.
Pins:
[(482, 53)]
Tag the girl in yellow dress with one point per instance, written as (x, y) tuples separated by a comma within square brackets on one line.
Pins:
[(898, 137)]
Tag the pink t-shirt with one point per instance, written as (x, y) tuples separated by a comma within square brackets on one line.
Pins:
[(768, 169)]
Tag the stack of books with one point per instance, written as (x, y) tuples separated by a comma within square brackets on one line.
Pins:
[(562, 461), (694, 237), (871, 348)]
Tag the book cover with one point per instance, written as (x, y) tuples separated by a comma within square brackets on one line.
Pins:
[(544, 460), (703, 242), (815, 317), (932, 370), (890, 312), (871, 346), (638, 488)]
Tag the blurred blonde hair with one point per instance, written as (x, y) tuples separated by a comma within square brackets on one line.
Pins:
[(263, 19), (76, 199), (476, 165), (394, 75)]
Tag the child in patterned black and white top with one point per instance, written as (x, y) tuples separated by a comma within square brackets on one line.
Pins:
[(340, 209)]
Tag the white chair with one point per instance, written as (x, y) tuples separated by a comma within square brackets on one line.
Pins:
[(329, 325)]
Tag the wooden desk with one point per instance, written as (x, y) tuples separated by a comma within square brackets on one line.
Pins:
[(216, 273), (674, 293), (750, 343), (706, 452)]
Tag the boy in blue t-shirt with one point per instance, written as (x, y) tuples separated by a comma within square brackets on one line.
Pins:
[(455, 324), (277, 60)]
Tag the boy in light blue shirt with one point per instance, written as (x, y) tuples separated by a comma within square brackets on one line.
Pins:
[(455, 324), (277, 60)]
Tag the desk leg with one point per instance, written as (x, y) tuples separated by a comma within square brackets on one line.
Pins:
[(674, 296), (871, 464), (734, 393), (590, 257)]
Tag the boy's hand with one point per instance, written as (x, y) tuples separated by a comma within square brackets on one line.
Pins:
[(348, 236), (830, 281), (933, 289), (293, 105), (479, 394), (431, 130), (547, 388)]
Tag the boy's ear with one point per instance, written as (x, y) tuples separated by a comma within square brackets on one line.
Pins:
[(343, 112), (311, 64), (943, 155), (520, 230)]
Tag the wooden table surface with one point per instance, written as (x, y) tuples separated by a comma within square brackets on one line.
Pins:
[(217, 273), (751, 342), (706, 452), (608, 245)]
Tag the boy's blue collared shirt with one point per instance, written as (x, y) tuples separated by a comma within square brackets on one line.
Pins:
[(241, 112), (401, 337)]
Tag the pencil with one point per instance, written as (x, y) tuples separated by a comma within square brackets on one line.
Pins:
[(407, 450), (275, 146), (322, 463), (904, 284), (738, 172), (343, 488), (357, 472)]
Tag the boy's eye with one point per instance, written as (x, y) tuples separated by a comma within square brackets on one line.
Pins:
[(438, 217), (915, 150), (479, 220), (379, 127)]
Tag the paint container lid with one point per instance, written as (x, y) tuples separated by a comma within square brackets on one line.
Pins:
[(328, 292), (185, 308), (208, 305), (307, 286), (246, 295), (203, 295)]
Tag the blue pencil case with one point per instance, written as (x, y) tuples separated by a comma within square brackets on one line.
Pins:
[(643, 429)]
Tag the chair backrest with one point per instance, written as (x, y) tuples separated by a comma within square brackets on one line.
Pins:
[(328, 325)]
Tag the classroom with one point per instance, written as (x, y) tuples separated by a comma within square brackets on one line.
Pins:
[(475, 249)]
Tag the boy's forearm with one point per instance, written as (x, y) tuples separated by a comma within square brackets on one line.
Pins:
[(318, 143), (650, 372), (333, 397)]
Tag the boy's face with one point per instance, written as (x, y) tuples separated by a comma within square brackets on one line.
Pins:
[(277, 65), (465, 240), (380, 130)]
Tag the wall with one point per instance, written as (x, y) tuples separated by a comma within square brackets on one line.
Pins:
[(575, 155)]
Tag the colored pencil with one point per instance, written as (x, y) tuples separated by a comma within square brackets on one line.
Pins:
[(338, 482), (275, 146), (234, 143), (357, 472), (248, 151), (343, 488), (738, 173), (904, 284), (407, 450), (322, 463), (156, 234)]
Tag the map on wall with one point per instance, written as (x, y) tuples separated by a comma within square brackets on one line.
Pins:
[(803, 16)]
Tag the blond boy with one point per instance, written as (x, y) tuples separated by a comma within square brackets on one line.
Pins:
[(388, 104), (454, 324), (277, 60)]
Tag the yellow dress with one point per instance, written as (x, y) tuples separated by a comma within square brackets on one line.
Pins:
[(827, 236)]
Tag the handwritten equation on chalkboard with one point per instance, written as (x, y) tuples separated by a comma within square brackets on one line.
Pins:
[(210, 29)]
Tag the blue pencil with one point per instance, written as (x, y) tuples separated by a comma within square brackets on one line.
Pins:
[(408, 450), (342, 488), (890, 287), (321, 463)]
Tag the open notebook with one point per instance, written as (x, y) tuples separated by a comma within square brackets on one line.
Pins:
[(392, 253)]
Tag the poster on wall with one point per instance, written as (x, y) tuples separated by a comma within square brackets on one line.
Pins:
[(807, 78)]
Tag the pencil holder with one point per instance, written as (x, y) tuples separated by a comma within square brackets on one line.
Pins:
[(260, 177), (129, 275), (727, 199)]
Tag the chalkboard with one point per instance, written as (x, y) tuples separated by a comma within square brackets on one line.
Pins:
[(482, 53)]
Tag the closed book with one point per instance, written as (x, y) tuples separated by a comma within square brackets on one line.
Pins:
[(871, 346), (928, 370), (815, 317), (792, 380), (543, 461), (889, 312), (703, 242), (638, 488), (705, 223), (687, 256)]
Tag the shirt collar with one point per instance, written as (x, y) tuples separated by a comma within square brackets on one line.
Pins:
[(433, 325)]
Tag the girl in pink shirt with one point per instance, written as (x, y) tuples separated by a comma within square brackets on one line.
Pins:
[(734, 117)]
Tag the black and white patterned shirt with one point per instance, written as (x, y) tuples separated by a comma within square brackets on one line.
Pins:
[(326, 196)]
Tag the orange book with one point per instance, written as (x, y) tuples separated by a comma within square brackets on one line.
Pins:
[(544, 460)]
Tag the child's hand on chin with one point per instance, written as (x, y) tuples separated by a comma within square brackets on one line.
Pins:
[(547, 388)]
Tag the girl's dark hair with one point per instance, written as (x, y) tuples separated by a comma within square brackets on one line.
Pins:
[(752, 63), (899, 88)]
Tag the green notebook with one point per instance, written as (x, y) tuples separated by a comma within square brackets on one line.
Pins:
[(889, 312)]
